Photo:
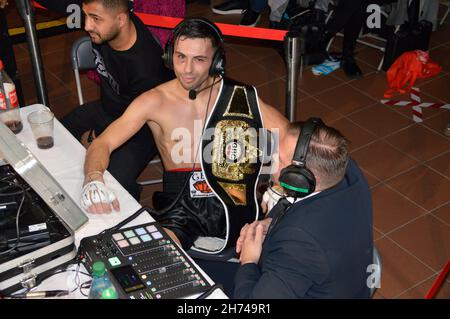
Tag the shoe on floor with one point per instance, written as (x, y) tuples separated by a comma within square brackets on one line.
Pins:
[(250, 18), (326, 67), (351, 69), (230, 7)]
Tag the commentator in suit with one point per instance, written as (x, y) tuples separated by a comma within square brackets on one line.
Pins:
[(317, 240)]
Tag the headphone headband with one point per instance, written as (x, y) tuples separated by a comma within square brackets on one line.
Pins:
[(218, 60), (301, 149), (217, 33), (296, 179)]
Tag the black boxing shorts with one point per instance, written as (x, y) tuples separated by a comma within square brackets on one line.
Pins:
[(198, 212)]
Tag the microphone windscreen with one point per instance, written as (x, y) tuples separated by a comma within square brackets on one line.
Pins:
[(192, 94)]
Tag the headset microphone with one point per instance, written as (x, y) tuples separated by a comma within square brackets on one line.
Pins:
[(193, 93)]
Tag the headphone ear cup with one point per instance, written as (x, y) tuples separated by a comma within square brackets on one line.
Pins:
[(310, 180), (297, 182), (218, 63), (168, 55)]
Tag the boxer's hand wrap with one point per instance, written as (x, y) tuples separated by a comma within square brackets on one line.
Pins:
[(271, 197), (96, 192)]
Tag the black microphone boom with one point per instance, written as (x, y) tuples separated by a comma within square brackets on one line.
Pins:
[(193, 93)]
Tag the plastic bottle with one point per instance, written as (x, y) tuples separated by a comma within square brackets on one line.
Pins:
[(9, 103), (101, 286)]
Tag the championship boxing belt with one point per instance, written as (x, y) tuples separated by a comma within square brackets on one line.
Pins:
[(231, 155)]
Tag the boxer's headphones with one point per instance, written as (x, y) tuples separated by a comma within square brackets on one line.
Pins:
[(296, 180), (218, 62)]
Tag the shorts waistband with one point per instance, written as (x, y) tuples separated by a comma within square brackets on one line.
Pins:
[(184, 169), (174, 180)]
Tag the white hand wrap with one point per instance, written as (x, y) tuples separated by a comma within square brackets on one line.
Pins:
[(271, 197), (96, 192)]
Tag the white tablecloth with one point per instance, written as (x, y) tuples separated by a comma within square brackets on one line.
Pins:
[(65, 162)]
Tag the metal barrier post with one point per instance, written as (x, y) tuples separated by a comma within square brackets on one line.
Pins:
[(292, 43), (26, 12)]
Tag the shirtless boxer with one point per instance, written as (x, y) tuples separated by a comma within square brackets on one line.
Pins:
[(177, 105)]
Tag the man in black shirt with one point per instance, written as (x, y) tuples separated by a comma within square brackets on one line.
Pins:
[(128, 59)]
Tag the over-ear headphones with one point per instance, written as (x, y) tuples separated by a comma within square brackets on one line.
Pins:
[(218, 62), (297, 180)]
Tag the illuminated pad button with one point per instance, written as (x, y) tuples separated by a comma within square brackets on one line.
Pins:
[(144, 277), (157, 235), (123, 243), (140, 231), (151, 228), (114, 261), (146, 238), (117, 236), (134, 241), (129, 234)]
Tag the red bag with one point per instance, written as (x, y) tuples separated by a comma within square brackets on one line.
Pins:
[(407, 68)]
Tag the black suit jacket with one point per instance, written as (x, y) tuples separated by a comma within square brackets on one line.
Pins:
[(321, 248)]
